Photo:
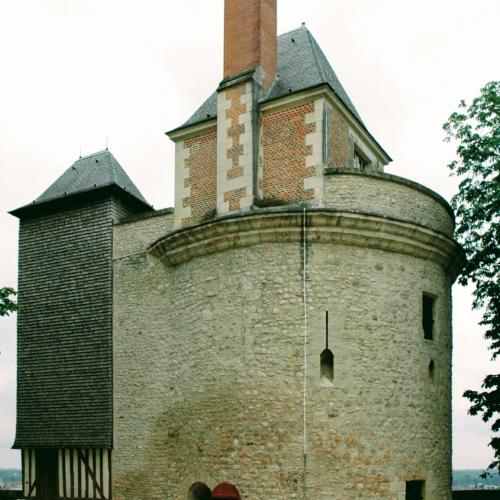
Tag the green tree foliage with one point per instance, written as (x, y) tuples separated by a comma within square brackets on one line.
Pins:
[(7, 304), (476, 128)]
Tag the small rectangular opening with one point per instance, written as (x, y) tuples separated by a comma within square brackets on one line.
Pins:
[(428, 316), (361, 162), (415, 490)]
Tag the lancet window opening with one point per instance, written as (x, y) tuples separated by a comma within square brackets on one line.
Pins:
[(326, 358)]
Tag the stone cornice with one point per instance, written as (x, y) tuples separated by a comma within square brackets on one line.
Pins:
[(140, 217), (238, 78), (323, 226)]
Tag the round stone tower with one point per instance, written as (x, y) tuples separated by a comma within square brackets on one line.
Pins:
[(220, 373), (224, 368)]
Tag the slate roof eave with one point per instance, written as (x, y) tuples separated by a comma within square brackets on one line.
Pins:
[(265, 100), (189, 125), (19, 444), (302, 68), (87, 176), (56, 203)]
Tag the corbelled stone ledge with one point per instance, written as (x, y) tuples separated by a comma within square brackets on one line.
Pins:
[(322, 226)]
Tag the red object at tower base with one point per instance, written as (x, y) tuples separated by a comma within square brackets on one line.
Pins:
[(226, 491)]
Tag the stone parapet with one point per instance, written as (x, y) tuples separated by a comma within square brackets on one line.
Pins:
[(388, 196), (134, 235)]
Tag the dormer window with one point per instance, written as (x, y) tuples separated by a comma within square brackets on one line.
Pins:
[(361, 162)]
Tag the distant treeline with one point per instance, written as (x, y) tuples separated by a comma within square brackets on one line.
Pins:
[(10, 478), (470, 478), (465, 478)]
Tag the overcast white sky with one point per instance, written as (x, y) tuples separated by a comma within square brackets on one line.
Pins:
[(75, 72)]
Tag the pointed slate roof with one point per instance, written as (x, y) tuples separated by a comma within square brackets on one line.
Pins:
[(301, 65), (89, 174)]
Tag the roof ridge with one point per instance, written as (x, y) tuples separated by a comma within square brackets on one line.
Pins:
[(271, 88), (112, 165), (314, 47), (303, 27), (93, 154)]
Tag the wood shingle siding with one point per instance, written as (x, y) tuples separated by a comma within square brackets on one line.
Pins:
[(64, 327)]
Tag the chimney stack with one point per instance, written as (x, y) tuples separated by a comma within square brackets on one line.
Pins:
[(250, 38)]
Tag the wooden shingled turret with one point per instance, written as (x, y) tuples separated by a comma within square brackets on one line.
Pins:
[(64, 398)]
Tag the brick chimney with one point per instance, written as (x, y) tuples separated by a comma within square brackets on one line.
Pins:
[(250, 38)]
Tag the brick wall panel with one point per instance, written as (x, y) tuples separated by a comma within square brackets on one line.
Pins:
[(284, 154), (201, 177), (250, 37), (337, 150)]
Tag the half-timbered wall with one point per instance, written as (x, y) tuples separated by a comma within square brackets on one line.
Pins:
[(81, 473), (28, 466)]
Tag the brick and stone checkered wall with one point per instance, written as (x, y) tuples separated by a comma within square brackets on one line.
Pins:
[(292, 143), (235, 149), (208, 367), (196, 178), (216, 169)]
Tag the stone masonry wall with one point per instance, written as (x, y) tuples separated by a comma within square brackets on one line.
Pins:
[(209, 366), (133, 235), (235, 149), (292, 155), (196, 178)]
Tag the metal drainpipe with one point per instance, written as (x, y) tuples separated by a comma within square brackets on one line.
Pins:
[(304, 299)]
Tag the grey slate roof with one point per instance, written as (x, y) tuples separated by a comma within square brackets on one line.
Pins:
[(89, 173), (301, 65)]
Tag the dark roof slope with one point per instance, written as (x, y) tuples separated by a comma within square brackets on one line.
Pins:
[(207, 111), (87, 175), (301, 65), (90, 172)]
